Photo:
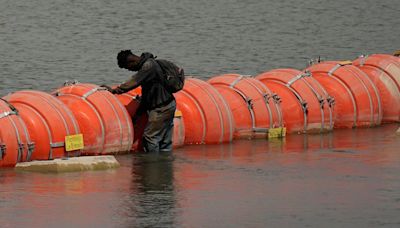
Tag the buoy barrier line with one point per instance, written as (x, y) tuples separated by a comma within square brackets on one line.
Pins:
[(349, 92), (130, 101), (14, 137), (201, 113), (293, 119), (305, 105), (322, 101), (113, 119), (90, 147), (37, 107), (388, 90), (218, 110), (255, 101), (30, 145), (390, 68), (328, 99), (49, 134), (61, 116), (123, 146), (366, 98), (348, 67), (376, 119), (319, 117), (19, 142), (352, 98), (314, 85), (130, 130), (213, 107), (247, 101), (330, 73), (228, 111), (96, 89), (265, 97), (250, 105)]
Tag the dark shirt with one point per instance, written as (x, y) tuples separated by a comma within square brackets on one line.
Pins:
[(150, 77)]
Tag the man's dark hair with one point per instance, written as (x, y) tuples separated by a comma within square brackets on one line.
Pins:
[(122, 57)]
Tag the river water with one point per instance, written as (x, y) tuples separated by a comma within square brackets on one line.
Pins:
[(348, 178)]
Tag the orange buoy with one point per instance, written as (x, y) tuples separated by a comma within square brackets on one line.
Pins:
[(15, 143), (388, 89), (207, 117), (314, 107), (357, 98), (251, 102), (48, 122), (387, 63), (131, 102), (104, 122)]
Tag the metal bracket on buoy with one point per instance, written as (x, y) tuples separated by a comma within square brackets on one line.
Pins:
[(297, 77), (21, 148), (5, 114), (321, 102), (31, 148), (92, 91), (337, 66), (69, 83), (266, 97), (249, 102), (363, 58), (14, 111), (276, 98), (2, 150), (304, 105), (331, 101)]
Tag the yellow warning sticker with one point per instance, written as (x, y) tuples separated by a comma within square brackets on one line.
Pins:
[(345, 62), (74, 142), (279, 132), (178, 113)]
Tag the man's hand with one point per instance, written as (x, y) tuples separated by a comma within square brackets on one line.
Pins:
[(111, 90)]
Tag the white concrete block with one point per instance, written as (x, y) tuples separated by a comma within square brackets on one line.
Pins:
[(72, 164)]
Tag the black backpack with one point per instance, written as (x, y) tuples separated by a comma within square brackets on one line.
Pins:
[(174, 76)]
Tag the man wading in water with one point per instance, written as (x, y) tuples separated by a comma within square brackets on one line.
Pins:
[(156, 99)]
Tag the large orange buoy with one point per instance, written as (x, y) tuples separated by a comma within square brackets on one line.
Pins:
[(357, 98), (294, 86), (388, 89), (131, 101), (15, 143), (206, 115), (104, 122), (48, 121), (387, 63), (251, 102)]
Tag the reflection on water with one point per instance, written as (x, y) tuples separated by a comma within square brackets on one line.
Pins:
[(152, 200), (348, 178)]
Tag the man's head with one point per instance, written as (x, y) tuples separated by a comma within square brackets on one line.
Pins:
[(127, 60)]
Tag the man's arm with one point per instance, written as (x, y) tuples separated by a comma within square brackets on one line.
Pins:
[(138, 79)]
